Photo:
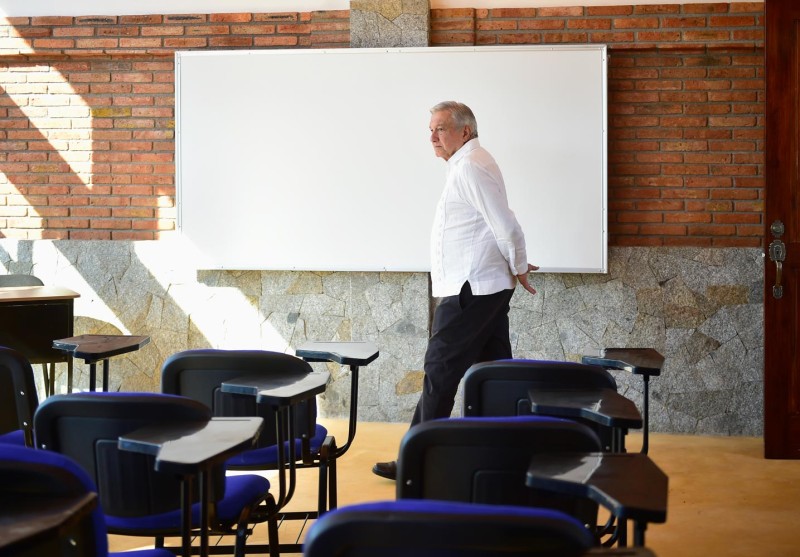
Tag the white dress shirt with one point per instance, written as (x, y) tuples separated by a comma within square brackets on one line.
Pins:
[(475, 235)]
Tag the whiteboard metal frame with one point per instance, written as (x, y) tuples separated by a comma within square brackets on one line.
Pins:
[(255, 259)]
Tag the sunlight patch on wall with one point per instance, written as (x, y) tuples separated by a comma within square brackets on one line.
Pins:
[(48, 140), (223, 315)]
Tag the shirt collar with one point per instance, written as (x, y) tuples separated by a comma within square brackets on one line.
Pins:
[(470, 145)]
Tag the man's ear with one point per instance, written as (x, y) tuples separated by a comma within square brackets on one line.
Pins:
[(467, 133)]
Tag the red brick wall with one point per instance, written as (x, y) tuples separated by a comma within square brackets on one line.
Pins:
[(87, 112)]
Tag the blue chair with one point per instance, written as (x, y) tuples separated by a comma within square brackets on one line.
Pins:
[(485, 461), (18, 398), (138, 501), (27, 474), (445, 529), (199, 374), (500, 388)]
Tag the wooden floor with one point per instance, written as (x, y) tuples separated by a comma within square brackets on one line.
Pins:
[(725, 499)]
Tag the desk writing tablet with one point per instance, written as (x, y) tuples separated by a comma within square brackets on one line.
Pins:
[(644, 362), (93, 348), (191, 449), (350, 353), (187, 447), (38, 518), (278, 389), (10, 294), (639, 361), (628, 484), (602, 406), (346, 353)]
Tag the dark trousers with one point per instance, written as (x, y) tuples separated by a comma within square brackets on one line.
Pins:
[(467, 329)]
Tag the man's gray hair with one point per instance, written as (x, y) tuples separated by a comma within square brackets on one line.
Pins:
[(461, 113)]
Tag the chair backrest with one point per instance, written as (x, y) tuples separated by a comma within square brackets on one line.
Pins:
[(87, 426), (20, 280), (500, 388), (27, 473), (18, 398), (485, 460), (199, 374), (444, 529)]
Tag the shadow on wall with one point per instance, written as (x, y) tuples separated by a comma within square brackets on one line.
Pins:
[(118, 295), (701, 308), (153, 288)]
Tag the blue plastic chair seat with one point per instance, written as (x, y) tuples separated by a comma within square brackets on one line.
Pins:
[(13, 438), (430, 528), (42, 464), (268, 456), (240, 491)]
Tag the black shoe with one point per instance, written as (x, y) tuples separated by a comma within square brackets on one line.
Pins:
[(386, 470)]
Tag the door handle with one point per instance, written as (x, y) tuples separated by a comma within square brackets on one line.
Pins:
[(777, 254)]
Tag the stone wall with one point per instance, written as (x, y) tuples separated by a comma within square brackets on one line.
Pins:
[(700, 307)]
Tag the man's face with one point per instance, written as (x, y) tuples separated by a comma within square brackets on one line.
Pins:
[(445, 136)]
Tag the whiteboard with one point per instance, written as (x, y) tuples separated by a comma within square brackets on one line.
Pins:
[(321, 159)]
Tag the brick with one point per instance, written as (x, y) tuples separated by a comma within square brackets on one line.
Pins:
[(708, 182), (230, 18), (683, 22), (592, 23), (141, 19), (686, 218), (706, 36), (163, 31), (660, 205), (89, 235), (639, 217), (496, 25), (683, 121), (636, 23), (575, 11), (707, 8), (660, 157), (711, 230), (612, 37), (663, 229), (542, 24), (636, 193), (230, 42), (527, 39), (516, 13), (734, 193), (608, 10), (275, 41), (53, 44), (732, 121), (686, 170), (685, 193), (140, 43), (740, 7), (737, 218), (684, 145), (707, 133), (658, 36)]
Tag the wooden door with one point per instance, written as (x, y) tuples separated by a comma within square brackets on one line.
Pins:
[(782, 278)]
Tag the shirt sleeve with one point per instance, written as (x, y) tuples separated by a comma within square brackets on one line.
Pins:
[(485, 190)]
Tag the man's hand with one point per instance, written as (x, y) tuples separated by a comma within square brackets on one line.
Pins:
[(523, 279)]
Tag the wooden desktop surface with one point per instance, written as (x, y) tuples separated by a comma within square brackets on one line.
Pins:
[(16, 294), (39, 518)]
